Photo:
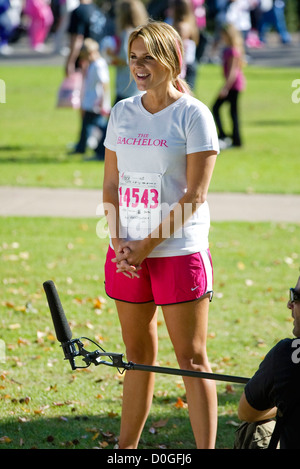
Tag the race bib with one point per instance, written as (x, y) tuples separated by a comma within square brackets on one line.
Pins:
[(139, 203)]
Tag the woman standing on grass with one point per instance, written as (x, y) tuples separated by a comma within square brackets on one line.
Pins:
[(233, 61), (161, 149)]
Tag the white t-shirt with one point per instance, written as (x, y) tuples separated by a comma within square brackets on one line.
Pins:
[(151, 154), (93, 93)]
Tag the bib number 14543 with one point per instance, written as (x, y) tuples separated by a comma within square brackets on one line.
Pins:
[(133, 196), (139, 202)]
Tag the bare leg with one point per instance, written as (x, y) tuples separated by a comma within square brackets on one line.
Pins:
[(139, 329), (187, 326)]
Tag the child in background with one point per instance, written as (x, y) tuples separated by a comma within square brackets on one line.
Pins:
[(233, 60), (96, 101)]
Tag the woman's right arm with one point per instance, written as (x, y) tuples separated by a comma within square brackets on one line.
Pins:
[(111, 210), (110, 195)]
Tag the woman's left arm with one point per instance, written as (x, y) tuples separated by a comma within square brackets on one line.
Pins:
[(200, 166)]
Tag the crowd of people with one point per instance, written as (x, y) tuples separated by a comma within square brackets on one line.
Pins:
[(40, 18), (234, 26)]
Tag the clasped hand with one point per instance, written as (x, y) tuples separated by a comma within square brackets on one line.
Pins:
[(129, 256)]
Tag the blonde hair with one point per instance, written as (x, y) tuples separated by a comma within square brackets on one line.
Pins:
[(165, 45), (89, 46), (184, 19), (130, 14), (235, 39)]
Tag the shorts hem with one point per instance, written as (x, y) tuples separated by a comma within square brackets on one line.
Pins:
[(210, 293), (127, 301)]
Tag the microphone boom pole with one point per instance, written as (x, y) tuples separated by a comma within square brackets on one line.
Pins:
[(73, 348)]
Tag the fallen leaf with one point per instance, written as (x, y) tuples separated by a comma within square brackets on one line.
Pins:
[(233, 423), (23, 420), (14, 326), (180, 404), (92, 430), (230, 389), (25, 400), (103, 444), (23, 341), (160, 423), (51, 337), (5, 439), (108, 435)]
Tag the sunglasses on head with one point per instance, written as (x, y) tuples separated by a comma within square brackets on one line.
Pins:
[(294, 295)]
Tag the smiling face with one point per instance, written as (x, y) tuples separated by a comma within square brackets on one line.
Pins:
[(147, 72), (295, 308)]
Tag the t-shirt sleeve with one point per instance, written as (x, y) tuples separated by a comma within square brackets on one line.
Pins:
[(201, 131), (102, 72), (110, 141), (259, 389)]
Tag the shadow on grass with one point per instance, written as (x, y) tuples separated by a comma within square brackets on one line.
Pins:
[(276, 123), (90, 431), (168, 430), (32, 154)]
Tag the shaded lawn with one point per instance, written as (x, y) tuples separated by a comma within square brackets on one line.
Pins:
[(44, 404)]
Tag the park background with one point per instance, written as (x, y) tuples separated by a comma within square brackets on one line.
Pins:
[(46, 405)]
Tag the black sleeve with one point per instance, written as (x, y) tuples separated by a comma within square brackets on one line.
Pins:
[(259, 390), (266, 387)]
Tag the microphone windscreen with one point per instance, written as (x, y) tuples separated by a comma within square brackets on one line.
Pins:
[(62, 328)]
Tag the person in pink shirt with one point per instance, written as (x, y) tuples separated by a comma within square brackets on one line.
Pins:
[(41, 20), (233, 61)]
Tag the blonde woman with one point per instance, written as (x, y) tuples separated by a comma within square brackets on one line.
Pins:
[(234, 83), (161, 148)]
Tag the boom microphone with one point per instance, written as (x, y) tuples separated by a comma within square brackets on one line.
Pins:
[(64, 335), (61, 326)]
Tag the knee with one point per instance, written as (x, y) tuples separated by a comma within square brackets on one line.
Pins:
[(141, 353), (194, 362)]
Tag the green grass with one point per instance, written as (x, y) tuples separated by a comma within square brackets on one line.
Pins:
[(34, 133), (44, 404)]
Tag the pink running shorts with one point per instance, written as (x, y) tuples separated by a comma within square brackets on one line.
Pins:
[(164, 280)]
